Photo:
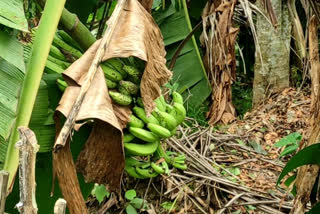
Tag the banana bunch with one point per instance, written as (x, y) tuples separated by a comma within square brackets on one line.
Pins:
[(145, 157)]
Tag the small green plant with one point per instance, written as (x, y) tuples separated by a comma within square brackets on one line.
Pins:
[(168, 206), (308, 155), (290, 142), (100, 192), (134, 203)]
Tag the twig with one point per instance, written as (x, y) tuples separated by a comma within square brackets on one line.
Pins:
[(230, 203), (182, 44), (4, 176), (112, 201), (28, 148), (60, 206)]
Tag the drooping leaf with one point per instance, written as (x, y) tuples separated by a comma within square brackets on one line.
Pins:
[(309, 155), (289, 150), (13, 50), (188, 71), (43, 128), (12, 14), (292, 138), (10, 82), (11, 79)]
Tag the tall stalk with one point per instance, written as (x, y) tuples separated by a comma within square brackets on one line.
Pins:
[(186, 13), (41, 46)]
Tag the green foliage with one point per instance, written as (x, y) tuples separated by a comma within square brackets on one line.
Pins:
[(199, 114), (241, 96), (309, 155), (81, 8), (134, 203), (44, 178), (131, 210), (168, 205), (290, 142), (100, 192), (13, 53), (130, 194), (188, 71), (12, 15), (315, 209)]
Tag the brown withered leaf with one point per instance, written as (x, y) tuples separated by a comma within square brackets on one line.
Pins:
[(136, 34), (140, 36), (219, 58)]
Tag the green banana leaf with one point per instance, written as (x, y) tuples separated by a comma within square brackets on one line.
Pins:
[(11, 78), (12, 14), (188, 72)]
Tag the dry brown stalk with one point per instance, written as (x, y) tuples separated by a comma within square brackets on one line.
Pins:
[(307, 174), (28, 148), (4, 176)]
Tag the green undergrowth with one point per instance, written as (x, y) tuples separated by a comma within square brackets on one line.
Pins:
[(199, 114), (242, 97)]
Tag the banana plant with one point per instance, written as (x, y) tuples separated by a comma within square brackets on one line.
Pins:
[(188, 72), (44, 37)]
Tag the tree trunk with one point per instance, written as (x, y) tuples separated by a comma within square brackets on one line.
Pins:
[(271, 70), (307, 175)]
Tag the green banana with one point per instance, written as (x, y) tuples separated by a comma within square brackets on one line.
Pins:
[(160, 153), (130, 167), (164, 103), (143, 134), (157, 168), (167, 120), (53, 67), (139, 102), (180, 166), (132, 172), (116, 64), (55, 52), (131, 71), (130, 87), (159, 130), (111, 84), (162, 168), (120, 99), (68, 39), (62, 85), (127, 137), (135, 79), (177, 97), (146, 172), (135, 122), (169, 109), (140, 112), (59, 62), (141, 149), (159, 103), (62, 44), (111, 74), (180, 112), (122, 90)]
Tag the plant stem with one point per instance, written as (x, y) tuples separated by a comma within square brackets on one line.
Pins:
[(41, 47), (185, 9), (75, 28)]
